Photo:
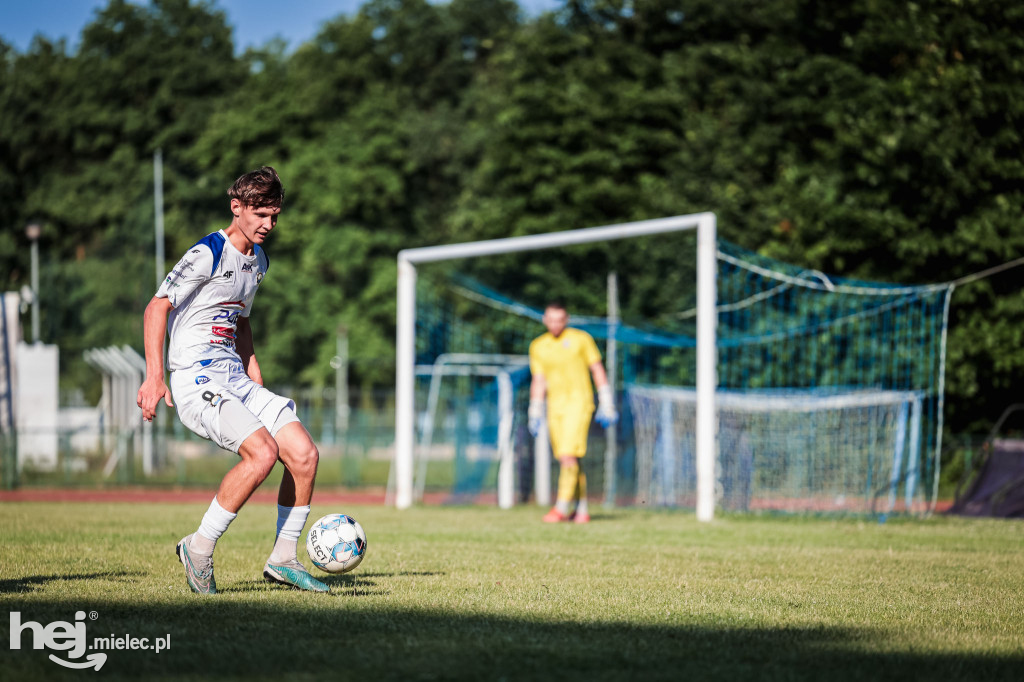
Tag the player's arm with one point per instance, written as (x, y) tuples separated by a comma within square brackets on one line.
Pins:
[(154, 328), (606, 413), (538, 388), (538, 408), (243, 344)]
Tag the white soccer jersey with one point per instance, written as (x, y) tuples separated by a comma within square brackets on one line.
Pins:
[(209, 288)]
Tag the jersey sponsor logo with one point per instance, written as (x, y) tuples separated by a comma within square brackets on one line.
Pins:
[(180, 270), (224, 332), (229, 316), (200, 380)]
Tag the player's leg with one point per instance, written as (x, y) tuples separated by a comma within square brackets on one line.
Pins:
[(258, 453), (568, 481), (568, 433), (300, 457), (208, 408), (582, 514)]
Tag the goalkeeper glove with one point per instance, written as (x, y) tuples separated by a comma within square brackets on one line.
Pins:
[(536, 416), (606, 413)]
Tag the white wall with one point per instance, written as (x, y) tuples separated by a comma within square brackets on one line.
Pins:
[(36, 402)]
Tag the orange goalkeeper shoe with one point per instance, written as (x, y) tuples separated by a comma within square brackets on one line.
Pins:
[(555, 516)]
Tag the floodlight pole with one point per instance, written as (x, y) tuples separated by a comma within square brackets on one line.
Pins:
[(340, 365), (158, 210), (405, 341), (34, 231)]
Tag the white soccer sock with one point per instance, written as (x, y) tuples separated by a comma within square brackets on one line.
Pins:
[(215, 522), (290, 522), (581, 507)]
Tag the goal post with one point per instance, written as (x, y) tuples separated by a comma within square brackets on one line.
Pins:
[(706, 377)]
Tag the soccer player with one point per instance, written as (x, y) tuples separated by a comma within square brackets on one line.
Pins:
[(562, 362), (204, 303)]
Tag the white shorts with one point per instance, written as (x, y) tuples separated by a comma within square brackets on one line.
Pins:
[(217, 400)]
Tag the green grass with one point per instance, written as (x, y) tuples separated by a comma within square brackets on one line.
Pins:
[(480, 594), (208, 470)]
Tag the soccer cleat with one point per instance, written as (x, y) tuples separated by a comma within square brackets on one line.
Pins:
[(198, 568), (554, 516), (293, 574), (583, 517)]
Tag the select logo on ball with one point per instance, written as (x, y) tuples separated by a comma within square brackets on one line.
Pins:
[(336, 543)]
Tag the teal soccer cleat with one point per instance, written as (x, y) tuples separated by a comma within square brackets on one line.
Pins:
[(198, 568), (293, 574)]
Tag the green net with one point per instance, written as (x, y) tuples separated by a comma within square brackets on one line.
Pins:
[(830, 389)]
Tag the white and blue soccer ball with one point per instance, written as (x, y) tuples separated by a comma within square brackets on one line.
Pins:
[(336, 543)]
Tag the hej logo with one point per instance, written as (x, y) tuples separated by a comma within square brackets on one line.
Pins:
[(60, 636)]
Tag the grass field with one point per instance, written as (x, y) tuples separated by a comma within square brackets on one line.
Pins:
[(480, 594)]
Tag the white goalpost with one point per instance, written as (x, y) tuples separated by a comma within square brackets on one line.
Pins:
[(706, 379)]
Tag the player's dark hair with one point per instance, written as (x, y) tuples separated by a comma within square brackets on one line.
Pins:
[(259, 188), (557, 304)]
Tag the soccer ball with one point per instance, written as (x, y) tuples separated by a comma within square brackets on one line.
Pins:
[(336, 543)]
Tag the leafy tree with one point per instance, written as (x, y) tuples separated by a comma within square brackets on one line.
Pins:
[(873, 139)]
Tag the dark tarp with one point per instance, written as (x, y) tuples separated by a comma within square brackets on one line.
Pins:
[(998, 489)]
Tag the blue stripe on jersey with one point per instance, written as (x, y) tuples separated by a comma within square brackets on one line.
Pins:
[(262, 253), (215, 242)]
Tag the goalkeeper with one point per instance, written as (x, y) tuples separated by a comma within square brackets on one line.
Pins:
[(560, 362)]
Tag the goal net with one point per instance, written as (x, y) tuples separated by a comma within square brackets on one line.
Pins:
[(828, 391), (799, 450), (466, 450)]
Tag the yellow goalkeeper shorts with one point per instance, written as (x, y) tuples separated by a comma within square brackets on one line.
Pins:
[(568, 432)]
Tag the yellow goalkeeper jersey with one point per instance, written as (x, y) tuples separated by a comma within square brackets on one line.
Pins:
[(565, 362)]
